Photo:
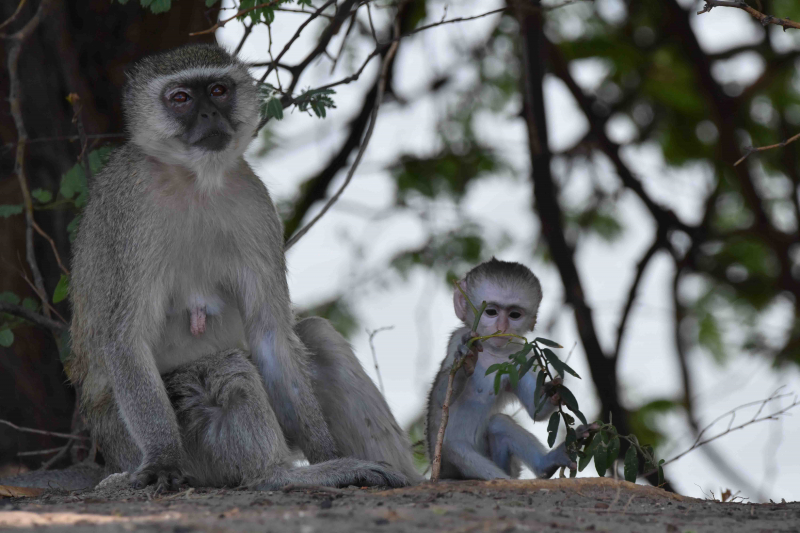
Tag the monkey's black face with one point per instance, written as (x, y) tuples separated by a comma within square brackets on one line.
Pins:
[(204, 108)]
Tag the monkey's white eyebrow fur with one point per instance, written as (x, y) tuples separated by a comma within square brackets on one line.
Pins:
[(196, 73)]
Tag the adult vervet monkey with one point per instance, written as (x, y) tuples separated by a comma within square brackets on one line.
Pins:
[(183, 338), (480, 442)]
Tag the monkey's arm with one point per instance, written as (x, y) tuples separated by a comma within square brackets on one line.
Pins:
[(147, 412)]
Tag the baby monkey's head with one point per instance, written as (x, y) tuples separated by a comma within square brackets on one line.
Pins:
[(512, 294)]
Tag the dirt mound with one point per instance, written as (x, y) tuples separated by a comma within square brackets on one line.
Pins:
[(503, 506)]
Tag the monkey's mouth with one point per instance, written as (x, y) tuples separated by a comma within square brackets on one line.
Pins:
[(214, 140)]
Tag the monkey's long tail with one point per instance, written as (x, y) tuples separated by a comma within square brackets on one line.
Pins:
[(335, 473), (76, 477)]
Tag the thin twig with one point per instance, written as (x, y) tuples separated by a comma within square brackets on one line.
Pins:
[(344, 39), (764, 19), (32, 316), (14, 16), (381, 88), (238, 14), (640, 268), (43, 432), (15, 99), (750, 150), (436, 463), (372, 25), (291, 41), (248, 28), (57, 457), (374, 356), (732, 413), (49, 239)]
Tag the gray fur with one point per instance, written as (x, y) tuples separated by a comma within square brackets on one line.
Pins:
[(360, 421), (167, 229), (480, 442)]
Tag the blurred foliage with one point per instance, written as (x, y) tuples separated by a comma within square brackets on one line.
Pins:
[(338, 312)]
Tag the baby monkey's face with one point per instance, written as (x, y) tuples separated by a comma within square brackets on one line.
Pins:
[(507, 311)]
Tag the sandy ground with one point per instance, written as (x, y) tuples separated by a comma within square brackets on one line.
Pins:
[(532, 505)]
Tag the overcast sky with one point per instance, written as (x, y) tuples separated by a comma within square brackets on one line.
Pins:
[(420, 308)]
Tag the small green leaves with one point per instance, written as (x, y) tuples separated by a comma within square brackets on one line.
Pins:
[(559, 365), (513, 376), (6, 337), (62, 289), (569, 400), (30, 304), (273, 108), (493, 368), (9, 298), (497, 379), (42, 195), (600, 458), (588, 452), (210, 3), (631, 465), (10, 210), (317, 100), (552, 428), (547, 342)]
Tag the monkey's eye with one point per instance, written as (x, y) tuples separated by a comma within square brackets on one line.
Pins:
[(180, 97), (218, 90), (515, 315), (491, 312)]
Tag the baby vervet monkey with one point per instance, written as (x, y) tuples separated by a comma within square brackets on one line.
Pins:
[(480, 442), (185, 349)]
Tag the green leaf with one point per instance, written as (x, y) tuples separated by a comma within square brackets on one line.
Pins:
[(160, 6), (558, 364), (6, 337), (274, 108), (30, 304), (568, 420), (552, 428), (601, 460), (631, 465), (572, 437), (493, 368), (210, 3), (538, 395), (513, 375), (9, 210), (42, 195), (569, 400), (9, 298), (98, 158), (73, 182), (660, 472), (547, 342), (588, 452), (497, 378), (62, 289), (613, 451)]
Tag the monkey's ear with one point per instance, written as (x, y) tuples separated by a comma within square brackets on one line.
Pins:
[(459, 302)]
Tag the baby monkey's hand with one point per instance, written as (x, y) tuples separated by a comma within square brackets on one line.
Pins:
[(470, 354)]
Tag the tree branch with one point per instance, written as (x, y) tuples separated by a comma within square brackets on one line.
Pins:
[(765, 20), (658, 243), (221, 23), (751, 149), (33, 316), (373, 118), (15, 99)]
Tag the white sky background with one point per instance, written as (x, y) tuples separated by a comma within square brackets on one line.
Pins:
[(420, 309)]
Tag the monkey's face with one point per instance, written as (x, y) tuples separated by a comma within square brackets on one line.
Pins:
[(508, 310), (203, 107), (195, 106)]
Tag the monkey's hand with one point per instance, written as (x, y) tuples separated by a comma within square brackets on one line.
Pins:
[(551, 391), (166, 477), (559, 458), (469, 353)]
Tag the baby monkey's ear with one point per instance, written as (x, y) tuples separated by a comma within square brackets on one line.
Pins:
[(460, 302)]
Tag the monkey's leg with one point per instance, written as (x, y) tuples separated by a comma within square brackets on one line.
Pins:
[(461, 460), (358, 417), (232, 436), (507, 439), (282, 360)]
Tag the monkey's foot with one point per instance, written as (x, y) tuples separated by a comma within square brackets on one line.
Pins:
[(165, 478)]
